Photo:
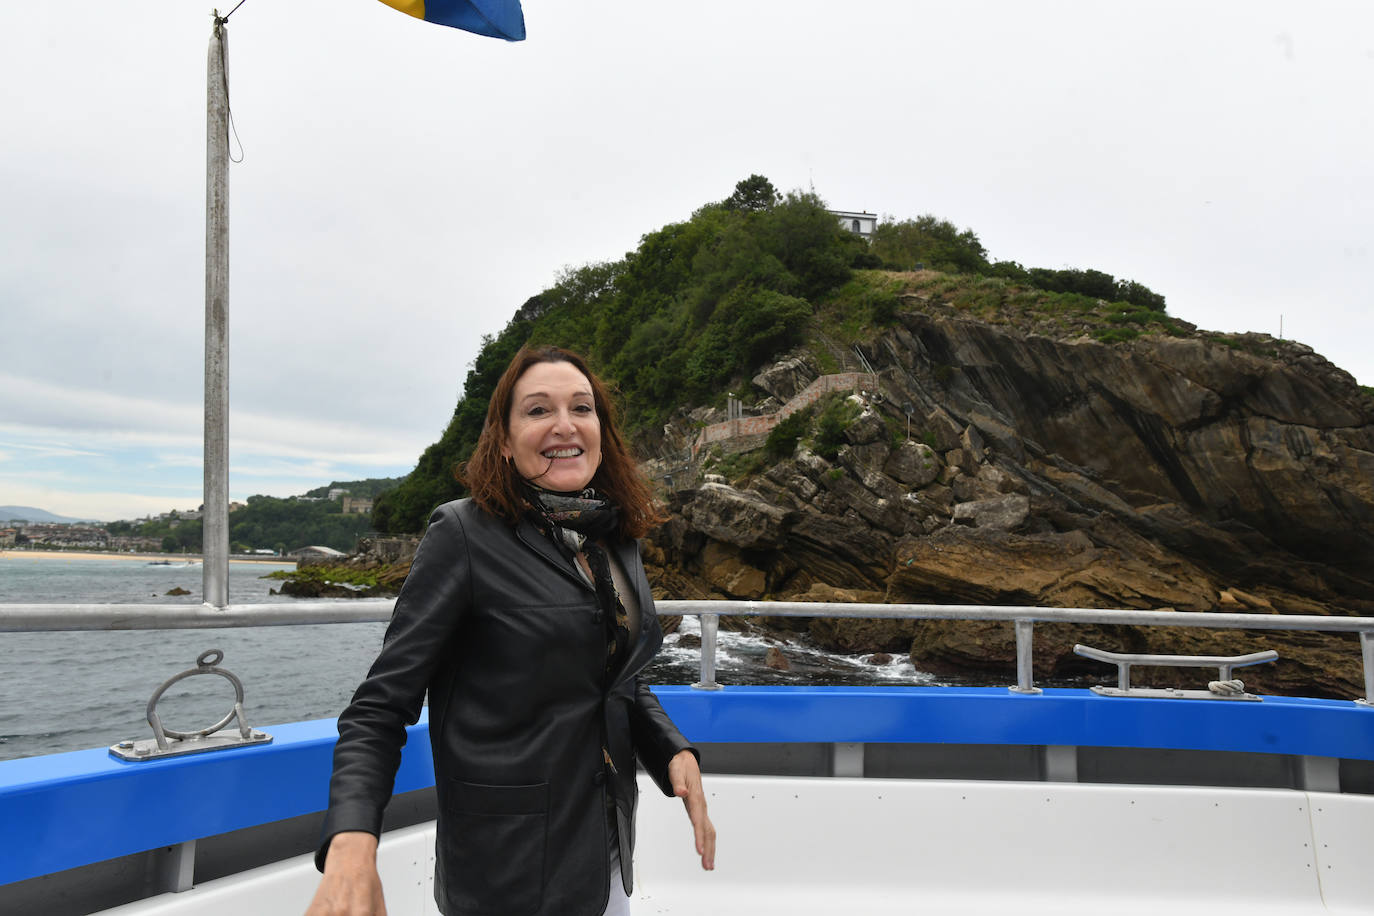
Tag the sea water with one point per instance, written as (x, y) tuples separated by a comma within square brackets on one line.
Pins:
[(73, 690)]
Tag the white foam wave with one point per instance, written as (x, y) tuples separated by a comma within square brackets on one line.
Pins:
[(744, 654)]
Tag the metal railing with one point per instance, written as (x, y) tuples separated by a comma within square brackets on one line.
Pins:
[(20, 618)]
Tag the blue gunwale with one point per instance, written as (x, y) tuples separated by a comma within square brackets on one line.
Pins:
[(86, 806), (994, 715)]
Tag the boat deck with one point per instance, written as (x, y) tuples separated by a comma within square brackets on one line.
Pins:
[(832, 845)]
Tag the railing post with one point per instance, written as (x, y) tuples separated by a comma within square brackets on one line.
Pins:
[(1061, 762), (174, 867), (847, 759), (1367, 651), (1025, 648), (710, 623)]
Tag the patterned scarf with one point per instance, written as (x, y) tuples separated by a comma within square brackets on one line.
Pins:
[(574, 524)]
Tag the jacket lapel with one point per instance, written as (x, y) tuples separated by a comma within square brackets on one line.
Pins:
[(650, 633), (531, 538)]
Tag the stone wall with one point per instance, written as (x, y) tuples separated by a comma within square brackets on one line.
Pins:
[(732, 429), (841, 381)]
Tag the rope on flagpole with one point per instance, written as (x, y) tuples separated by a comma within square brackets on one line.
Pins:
[(220, 22)]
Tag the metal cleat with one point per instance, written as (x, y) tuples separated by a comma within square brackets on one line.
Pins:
[(167, 742), (1223, 688)]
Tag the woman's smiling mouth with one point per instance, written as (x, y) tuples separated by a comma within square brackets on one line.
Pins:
[(554, 453)]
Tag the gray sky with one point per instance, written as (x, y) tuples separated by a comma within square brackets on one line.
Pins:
[(405, 187)]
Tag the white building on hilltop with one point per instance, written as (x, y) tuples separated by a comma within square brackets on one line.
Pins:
[(862, 223)]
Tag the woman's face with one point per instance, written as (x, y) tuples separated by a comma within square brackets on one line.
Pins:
[(554, 434)]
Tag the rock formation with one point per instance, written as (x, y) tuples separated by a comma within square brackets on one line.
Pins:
[(1188, 472), (376, 569)]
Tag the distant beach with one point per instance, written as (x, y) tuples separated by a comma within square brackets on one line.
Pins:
[(11, 553)]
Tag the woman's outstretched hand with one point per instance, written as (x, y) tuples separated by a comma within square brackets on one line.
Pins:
[(350, 886), (685, 775)]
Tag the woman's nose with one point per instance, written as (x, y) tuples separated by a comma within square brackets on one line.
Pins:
[(564, 423)]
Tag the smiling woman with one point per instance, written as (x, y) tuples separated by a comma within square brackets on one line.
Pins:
[(534, 764), (536, 419), (555, 433)]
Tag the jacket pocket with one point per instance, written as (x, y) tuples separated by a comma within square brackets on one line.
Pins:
[(494, 844)]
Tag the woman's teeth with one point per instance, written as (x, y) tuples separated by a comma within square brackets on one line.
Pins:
[(562, 453)]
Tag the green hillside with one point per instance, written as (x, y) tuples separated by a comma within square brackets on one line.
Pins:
[(700, 305), (359, 489), (267, 522)]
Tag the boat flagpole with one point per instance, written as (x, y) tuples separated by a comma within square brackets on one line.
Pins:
[(215, 512)]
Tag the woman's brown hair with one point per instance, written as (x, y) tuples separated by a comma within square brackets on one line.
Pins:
[(494, 482)]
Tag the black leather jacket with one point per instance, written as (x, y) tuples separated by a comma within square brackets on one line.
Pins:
[(503, 633)]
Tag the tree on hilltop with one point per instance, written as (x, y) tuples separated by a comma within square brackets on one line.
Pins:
[(752, 195), (932, 242)]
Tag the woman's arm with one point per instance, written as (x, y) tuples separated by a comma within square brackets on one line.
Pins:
[(372, 728), (673, 764), (656, 739), (351, 885), (685, 773)]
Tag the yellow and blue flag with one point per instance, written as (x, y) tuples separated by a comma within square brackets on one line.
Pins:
[(492, 18)]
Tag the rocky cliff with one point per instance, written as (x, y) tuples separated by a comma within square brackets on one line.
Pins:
[(1196, 472)]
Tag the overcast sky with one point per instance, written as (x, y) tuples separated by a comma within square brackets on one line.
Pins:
[(405, 187)]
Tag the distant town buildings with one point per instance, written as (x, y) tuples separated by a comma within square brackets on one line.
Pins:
[(356, 505), (82, 536), (862, 223), (360, 505), (132, 543), (20, 534), (54, 536)]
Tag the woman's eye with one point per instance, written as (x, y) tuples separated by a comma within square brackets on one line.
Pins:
[(583, 408), (536, 411)]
